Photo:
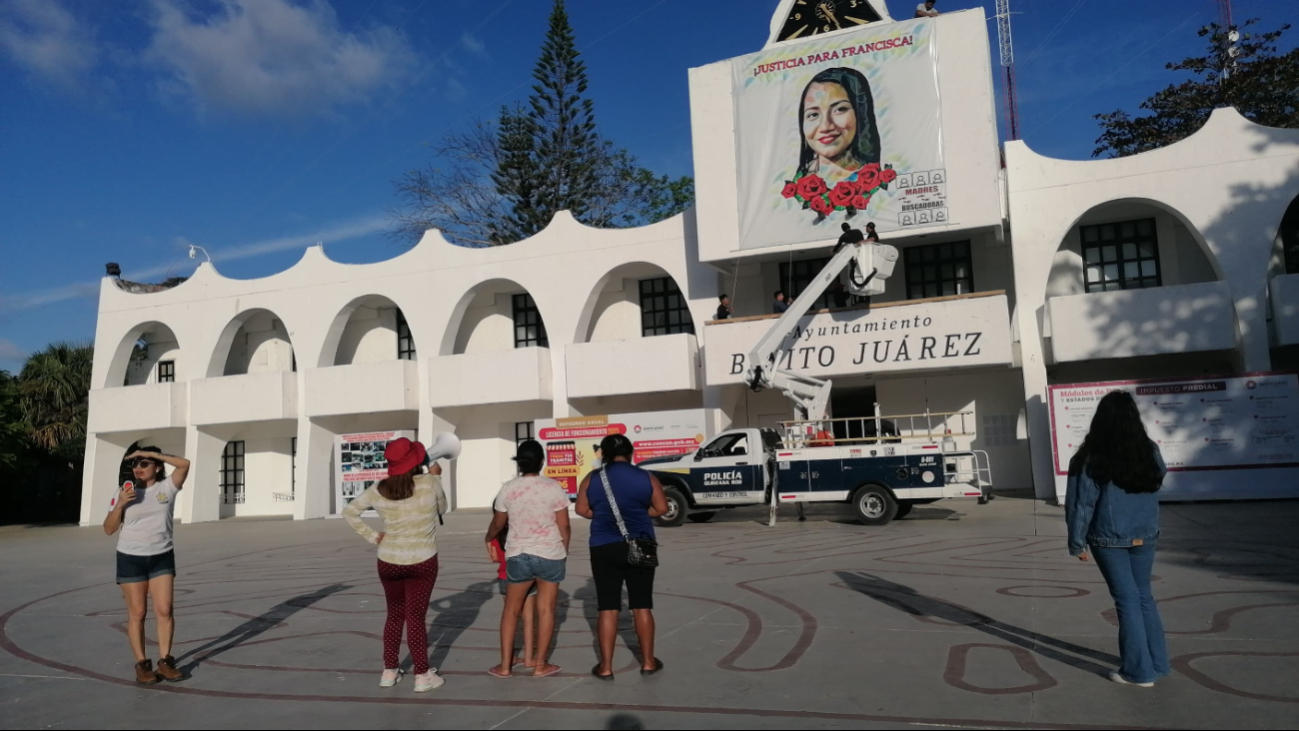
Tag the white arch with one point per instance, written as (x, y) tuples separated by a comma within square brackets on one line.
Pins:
[(496, 286), (633, 269), (117, 368), (221, 350), (333, 336)]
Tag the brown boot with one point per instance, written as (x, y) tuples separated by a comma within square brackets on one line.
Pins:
[(167, 669), (144, 673)]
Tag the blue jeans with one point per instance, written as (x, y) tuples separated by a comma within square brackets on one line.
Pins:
[(526, 567), (1142, 650)]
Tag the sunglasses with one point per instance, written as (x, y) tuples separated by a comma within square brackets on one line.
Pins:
[(144, 463)]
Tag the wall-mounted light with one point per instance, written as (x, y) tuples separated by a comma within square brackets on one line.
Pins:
[(195, 248), (112, 269)]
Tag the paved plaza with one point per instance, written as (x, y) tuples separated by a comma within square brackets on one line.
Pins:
[(962, 615)]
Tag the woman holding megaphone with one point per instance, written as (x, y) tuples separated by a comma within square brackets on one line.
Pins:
[(146, 561), (410, 504)]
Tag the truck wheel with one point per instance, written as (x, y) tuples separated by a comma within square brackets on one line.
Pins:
[(874, 505), (904, 509), (677, 508), (701, 517)]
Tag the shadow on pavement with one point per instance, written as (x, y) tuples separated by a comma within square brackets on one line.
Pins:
[(255, 626), (908, 600)]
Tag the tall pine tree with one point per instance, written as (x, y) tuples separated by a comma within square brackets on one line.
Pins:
[(495, 184)]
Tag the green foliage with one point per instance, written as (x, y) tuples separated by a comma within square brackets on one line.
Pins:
[(1261, 84), (504, 182), (54, 396), (13, 428)]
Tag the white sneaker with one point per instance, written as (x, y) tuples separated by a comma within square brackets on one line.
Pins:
[(390, 678), (428, 681), (1115, 677)]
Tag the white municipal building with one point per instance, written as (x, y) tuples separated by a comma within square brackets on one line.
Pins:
[(1024, 272)]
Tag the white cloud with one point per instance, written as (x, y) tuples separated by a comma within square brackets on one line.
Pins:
[(273, 56), (473, 43), (48, 41), (343, 231), (10, 351)]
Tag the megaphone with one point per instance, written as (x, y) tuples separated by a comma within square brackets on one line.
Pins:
[(444, 446)]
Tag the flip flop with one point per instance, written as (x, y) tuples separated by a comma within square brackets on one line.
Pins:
[(554, 670), (658, 666), (496, 673), (596, 672)]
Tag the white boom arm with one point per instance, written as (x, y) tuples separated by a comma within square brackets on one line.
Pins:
[(868, 266)]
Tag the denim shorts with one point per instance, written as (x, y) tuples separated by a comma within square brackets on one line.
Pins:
[(134, 569), (525, 567), (502, 583)]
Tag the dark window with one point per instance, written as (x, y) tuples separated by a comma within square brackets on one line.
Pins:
[(166, 371), (523, 431), (939, 270), (529, 330), (405, 343), (1290, 237), (232, 473), (1120, 256), (663, 309), (293, 466), (795, 276)]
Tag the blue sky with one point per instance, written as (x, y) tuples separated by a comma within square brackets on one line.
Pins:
[(258, 127)]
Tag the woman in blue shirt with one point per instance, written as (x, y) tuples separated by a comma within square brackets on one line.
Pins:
[(1112, 506), (640, 499)]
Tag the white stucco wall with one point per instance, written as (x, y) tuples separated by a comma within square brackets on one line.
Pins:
[(1228, 186), (369, 337)]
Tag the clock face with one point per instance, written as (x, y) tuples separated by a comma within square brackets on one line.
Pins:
[(810, 17)]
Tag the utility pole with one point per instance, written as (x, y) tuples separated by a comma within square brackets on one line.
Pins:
[(1008, 68)]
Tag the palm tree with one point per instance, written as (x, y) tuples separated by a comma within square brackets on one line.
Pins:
[(54, 394)]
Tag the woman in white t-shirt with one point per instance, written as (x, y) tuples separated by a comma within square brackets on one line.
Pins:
[(536, 551), (146, 561)]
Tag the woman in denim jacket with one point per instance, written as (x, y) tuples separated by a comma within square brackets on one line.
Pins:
[(1112, 506)]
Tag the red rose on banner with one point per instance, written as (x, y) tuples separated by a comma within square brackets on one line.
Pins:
[(868, 179), (810, 187), (888, 175), (790, 190), (860, 202), (843, 193), (872, 166), (822, 206)]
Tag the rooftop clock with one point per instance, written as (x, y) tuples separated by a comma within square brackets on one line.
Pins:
[(804, 18)]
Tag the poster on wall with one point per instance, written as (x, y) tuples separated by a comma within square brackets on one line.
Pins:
[(845, 129), (571, 443), (359, 462), (1247, 422)]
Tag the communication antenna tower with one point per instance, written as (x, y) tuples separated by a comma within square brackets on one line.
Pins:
[(1229, 48), (1008, 67)]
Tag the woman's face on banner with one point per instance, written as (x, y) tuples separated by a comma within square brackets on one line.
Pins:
[(829, 120)]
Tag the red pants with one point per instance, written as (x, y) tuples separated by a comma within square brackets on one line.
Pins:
[(407, 589)]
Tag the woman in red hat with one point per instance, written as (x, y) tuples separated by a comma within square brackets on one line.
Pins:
[(409, 504)]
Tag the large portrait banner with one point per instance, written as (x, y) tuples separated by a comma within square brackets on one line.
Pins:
[(838, 130)]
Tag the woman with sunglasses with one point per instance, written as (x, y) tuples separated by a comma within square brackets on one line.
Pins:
[(146, 561)]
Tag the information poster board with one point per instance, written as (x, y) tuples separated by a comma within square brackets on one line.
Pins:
[(359, 462), (571, 443), (1201, 425)]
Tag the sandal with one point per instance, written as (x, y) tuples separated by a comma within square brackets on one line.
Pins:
[(552, 670), (596, 672), (658, 666), (495, 672)]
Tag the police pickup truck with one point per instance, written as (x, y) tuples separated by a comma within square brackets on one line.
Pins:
[(882, 478)]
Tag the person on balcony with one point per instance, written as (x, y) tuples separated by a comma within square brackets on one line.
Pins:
[(779, 305), (926, 9), (146, 558)]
